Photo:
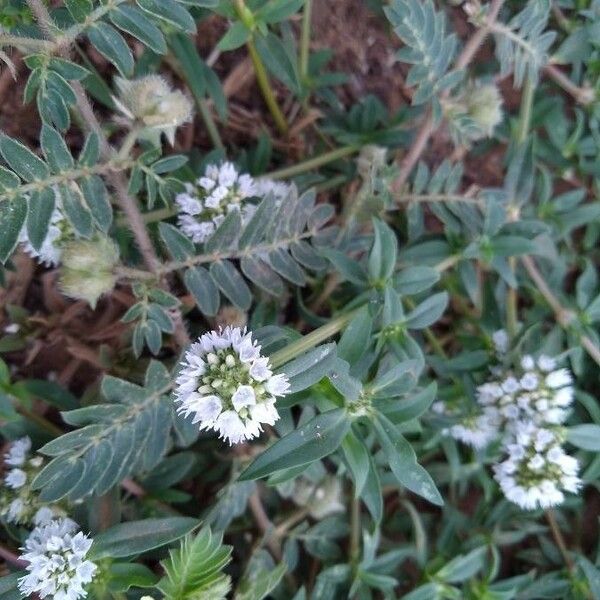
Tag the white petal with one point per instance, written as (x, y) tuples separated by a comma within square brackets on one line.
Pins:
[(243, 396)]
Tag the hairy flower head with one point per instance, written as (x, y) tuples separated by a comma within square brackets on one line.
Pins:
[(228, 386), (153, 105), (88, 268)]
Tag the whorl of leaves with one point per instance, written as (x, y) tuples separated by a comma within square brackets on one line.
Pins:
[(128, 435), (194, 570), (428, 47)]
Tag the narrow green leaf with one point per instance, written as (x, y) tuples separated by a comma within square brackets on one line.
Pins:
[(136, 537), (318, 438)]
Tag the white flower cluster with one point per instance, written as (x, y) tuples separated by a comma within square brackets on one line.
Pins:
[(57, 567), (18, 502), (50, 251), (524, 408), (473, 430), (537, 469), (538, 392), (221, 190), (228, 386)]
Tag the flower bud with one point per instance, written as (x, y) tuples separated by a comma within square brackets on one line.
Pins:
[(484, 106), (153, 105), (88, 268), (372, 158)]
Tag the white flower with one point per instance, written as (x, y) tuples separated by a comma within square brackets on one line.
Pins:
[(500, 340), (218, 192), (19, 503), (559, 378), (477, 432), (531, 394), (537, 471), (49, 253), (17, 453), (57, 567), (228, 386), (546, 363), (265, 186), (15, 478)]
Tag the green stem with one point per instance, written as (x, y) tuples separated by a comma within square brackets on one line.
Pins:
[(525, 112), (312, 339), (355, 532), (40, 421), (209, 122), (512, 312), (265, 87), (305, 40), (128, 143), (313, 163), (247, 18)]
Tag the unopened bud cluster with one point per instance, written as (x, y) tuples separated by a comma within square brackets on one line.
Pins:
[(153, 106), (88, 268)]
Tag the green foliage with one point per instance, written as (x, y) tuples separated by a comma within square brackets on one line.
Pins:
[(129, 434), (375, 286), (194, 570), (427, 47)]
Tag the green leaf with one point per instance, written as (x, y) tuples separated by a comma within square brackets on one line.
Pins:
[(110, 43), (356, 337), (205, 292), (22, 160), (76, 210), (12, 217), (279, 62), (136, 537), (133, 21), (179, 246), (55, 150), (585, 436), (403, 461), (318, 438), (127, 575), (129, 435), (194, 570), (237, 35), (96, 196), (8, 586), (79, 9), (400, 410), (382, 258), (310, 367), (414, 280), (170, 12), (463, 567), (41, 207), (231, 283), (357, 457), (275, 11), (428, 312), (259, 583)]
